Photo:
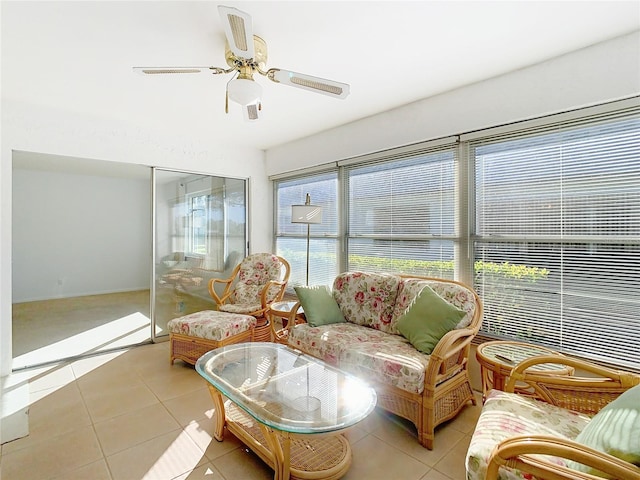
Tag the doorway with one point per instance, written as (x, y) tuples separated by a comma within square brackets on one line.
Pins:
[(106, 253), (81, 257)]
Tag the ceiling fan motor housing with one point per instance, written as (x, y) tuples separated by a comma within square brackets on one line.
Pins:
[(259, 58)]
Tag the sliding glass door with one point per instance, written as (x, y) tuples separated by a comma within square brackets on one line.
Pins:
[(200, 233)]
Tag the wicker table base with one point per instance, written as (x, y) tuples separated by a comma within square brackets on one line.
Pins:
[(297, 456), (262, 332)]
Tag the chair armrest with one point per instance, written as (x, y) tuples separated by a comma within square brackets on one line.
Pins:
[(265, 291), (516, 453), (226, 293), (228, 282), (585, 394)]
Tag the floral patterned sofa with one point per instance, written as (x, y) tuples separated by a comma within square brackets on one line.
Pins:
[(426, 388), (565, 427)]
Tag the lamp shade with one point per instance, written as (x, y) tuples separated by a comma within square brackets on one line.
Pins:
[(306, 214), (244, 91)]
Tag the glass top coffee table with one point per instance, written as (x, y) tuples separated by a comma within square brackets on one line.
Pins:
[(288, 407)]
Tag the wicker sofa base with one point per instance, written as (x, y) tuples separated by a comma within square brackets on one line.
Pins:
[(427, 410), (189, 349)]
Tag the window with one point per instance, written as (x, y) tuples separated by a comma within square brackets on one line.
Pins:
[(401, 214), (198, 220), (213, 219), (557, 251), (291, 238), (542, 219)]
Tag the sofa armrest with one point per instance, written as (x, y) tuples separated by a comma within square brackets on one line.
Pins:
[(450, 355), (516, 453)]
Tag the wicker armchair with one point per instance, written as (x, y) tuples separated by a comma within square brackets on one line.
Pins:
[(547, 418), (255, 283)]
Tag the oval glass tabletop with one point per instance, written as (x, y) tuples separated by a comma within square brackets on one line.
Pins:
[(286, 389), (512, 353)]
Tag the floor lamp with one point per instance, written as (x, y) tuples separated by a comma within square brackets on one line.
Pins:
[(306, 214)]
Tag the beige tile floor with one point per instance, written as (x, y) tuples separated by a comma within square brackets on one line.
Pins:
[(130, 415)]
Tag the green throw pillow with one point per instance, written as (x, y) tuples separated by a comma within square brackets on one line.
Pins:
[(320, 308), (614, 430), (427, 319)]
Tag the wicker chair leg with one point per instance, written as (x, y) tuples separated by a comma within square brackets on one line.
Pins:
[(171, 357)]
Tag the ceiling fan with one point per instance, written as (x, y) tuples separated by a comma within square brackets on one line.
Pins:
[(246, 55)]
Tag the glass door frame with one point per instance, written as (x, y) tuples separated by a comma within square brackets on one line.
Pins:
[(155, 337)]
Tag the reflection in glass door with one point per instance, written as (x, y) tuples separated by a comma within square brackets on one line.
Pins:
[(200, 233)]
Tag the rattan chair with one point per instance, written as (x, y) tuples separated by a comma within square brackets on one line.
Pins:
[(545, 456), (259, 280)]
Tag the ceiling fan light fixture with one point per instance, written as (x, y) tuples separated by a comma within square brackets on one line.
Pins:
[(244, 91)]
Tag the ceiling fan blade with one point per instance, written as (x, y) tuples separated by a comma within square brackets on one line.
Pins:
[(171, 70), (309, 82), (250, 112), (238, 29)]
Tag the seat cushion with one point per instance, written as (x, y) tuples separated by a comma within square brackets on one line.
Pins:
[(365, 352), (326, 341), (505, 415), (244, 308), (211, 324), (387, 359)]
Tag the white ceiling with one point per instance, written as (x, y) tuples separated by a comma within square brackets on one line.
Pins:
[(77, 56)]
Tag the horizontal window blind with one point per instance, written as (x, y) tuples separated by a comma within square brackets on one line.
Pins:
[(557, 236), (401, 213), (291, 238)]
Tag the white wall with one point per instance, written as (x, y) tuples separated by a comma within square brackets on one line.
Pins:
[(79, 235), (600, 73)]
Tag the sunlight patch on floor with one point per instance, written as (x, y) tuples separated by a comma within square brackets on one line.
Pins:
[(122, 332)]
